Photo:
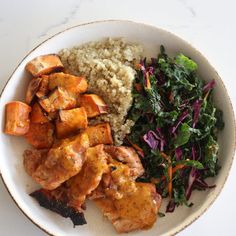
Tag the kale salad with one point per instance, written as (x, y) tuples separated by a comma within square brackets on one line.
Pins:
[(176, 127)]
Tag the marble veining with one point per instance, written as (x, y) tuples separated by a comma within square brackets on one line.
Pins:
[(188, 7), (64, 21)]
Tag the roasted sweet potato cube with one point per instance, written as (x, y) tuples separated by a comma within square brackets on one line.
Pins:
[(99, 134), (52, 115), (32, 89), (43, 87), (71, 121), (93, 105), (17, 118), (44, 64), (59, 99), (71, 83), (37, 115), (40, 135)]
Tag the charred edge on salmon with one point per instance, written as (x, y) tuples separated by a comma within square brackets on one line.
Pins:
[(59, 207)]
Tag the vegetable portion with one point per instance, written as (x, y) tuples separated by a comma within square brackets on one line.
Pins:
[(70, 121), (32, 89), (44, 64), (37, 115), (99, 134), (17, 118), (72, 84), (57, 100), (40, 135), (176, 126), (54, 102), (43, 89), (93, 105)]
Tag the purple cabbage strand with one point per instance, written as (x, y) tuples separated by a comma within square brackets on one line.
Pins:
[(178, 153), (155, 139), (196, 111), (180, 120), (171, 206), (209, 86)]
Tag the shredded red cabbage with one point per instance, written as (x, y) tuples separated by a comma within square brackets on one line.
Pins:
[(196, 111), (200, 183), (171, 206), (155, 139), (209, 86), (162, 139), (178, 153), (193, 152), (175, 109), (151, 139), (151, 70), (192, 177), (180, 120)]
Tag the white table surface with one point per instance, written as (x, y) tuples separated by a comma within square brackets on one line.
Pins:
[(207, 24)]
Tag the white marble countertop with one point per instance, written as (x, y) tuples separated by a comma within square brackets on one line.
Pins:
[(208, 25)]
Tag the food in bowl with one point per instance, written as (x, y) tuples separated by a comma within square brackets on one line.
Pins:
[(159, 110), (109, 69), (176, 126)]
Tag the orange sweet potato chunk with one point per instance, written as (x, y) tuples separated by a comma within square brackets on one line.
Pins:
[(43, 87), (37, 115), (99, 134), (73, 84), (59, 99), (93, 105), (17, 118), (71, 121), (40, 135), (44, 64), (32, 89)]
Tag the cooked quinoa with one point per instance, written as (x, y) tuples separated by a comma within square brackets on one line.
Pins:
[(108, 67)]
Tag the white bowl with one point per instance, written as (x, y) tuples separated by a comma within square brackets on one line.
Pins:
[(20, 185)]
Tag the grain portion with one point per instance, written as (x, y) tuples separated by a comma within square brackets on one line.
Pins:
[(108, 66)]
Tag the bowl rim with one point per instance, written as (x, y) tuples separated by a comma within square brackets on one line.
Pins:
[(178, 230)]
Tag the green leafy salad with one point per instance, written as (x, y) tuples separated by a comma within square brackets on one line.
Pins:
[(176, 126)]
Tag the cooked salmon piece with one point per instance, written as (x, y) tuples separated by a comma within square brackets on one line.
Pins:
[(62, 162), (44, 64), (59, 99), (40, 135), (99, 134), (126, 155), (72, 193), (33, 159), (135, 211), (70, 121), (54, 203), (88, 179), (93, 105), (127, 204), (118, 182), (17, 118), (71, 83)]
